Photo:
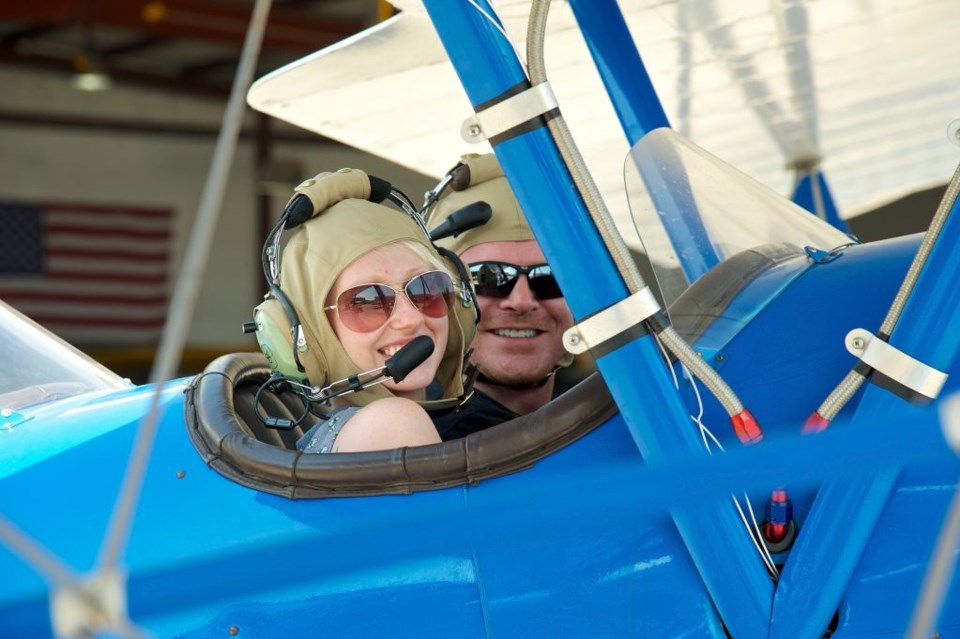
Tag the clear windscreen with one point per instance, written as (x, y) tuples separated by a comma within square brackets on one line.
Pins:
[(692, 211), (39, 367)]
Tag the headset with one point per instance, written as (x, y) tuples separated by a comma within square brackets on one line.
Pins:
[(277, 326)]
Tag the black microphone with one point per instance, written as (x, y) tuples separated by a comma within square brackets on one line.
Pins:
[(409, 357), (470, 216), (379, 189), (298, 211), (397, 367)]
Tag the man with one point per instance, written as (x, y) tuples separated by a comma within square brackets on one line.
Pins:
[(518, 346)]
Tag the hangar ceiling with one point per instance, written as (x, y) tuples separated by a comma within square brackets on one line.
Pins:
[(189, 46)]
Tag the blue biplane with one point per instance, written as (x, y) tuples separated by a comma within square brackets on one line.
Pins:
[(768, 449)]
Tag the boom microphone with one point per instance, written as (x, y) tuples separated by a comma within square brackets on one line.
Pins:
[(397, 367), (298, 211), (470, 216), (409, 357), (379, 189)]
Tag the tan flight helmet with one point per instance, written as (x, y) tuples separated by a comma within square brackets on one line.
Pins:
[(345, 227), (479, 178)]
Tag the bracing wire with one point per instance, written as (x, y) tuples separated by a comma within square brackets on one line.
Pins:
[(758, 540), (187, 289), (707, 436)]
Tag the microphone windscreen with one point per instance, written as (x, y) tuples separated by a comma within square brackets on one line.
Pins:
[(409, 357), (298, 211), (470, 216), (460, 179), (379, 189)]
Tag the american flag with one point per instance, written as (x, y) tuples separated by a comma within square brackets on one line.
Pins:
[(94, 275)]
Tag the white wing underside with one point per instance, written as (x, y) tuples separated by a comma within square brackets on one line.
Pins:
[(869, 86)]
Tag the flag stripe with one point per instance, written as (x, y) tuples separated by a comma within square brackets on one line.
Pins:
[(95, 210), (76, 229), (115, 221), (54, 320), (70, 276), (68, 310), (91, 273), (12, 297), (20, 285), (107, 269), (101, 243), (158, 256)]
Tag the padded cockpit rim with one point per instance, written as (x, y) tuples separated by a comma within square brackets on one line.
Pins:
[(220, 439)]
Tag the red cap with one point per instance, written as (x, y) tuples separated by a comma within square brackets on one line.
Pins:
[(815, 424), (746, 427)]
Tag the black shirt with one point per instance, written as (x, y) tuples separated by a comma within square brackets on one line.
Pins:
[(480, 413)]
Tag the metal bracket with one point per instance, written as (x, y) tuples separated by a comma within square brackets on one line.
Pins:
[(895, 364), (610, 322), (512, 112)]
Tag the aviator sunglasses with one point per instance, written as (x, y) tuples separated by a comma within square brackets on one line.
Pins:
[(367, 307), (498, 279)]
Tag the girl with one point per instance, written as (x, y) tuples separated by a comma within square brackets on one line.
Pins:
[(364, 280)]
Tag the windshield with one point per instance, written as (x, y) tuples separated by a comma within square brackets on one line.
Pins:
[(692, 211), (38, 367)]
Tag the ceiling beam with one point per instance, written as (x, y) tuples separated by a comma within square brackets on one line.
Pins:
[(134, 46), (12, 57), (13, 37), (289, 29)]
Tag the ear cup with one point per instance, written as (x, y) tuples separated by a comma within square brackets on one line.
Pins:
[(275, 336)]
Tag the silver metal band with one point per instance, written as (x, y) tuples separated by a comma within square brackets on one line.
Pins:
[(512, 112), (895, 364), (610, 322)]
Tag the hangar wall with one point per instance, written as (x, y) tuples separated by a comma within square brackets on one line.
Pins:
[(150, 148)]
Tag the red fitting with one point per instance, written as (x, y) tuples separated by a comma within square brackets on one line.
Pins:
[(776, 525), (746, 427), (815, 423), (774, 532)]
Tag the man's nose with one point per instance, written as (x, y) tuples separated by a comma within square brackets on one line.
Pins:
[(521, 298)]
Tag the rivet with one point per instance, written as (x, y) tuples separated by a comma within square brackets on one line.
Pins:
[(234, 630), (721, 357), (181, 474), (857, 343), (474, 130)]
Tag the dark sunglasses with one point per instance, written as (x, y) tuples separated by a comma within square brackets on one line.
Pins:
[(497, 279), (367, 307)]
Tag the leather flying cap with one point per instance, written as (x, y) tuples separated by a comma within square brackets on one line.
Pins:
[(486, 184), (313, 258)]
